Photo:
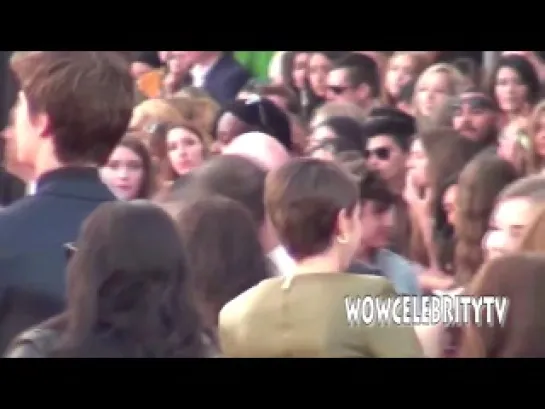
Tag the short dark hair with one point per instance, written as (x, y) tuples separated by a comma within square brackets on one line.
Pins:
[(361, 69), (231, 176), (525, 70), (400, 127), (303, 199), (88, 96), (372, 186), (259, 114)]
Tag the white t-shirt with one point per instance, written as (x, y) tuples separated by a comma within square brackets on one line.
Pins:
[(31, 188)]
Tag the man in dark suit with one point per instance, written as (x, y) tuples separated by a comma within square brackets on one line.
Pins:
[(73, 108), (217, 72)]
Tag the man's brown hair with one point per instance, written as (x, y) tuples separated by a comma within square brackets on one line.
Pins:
[(303, 199), (87, 95)]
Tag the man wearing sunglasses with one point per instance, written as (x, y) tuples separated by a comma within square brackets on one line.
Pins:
[(388, 132), (388, 136), (354, 79), (476, 117)]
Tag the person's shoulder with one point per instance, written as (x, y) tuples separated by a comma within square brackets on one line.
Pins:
[(363, 284), (398, 259), (239, 303), (238, 307), (235, 68), (15, 214), (12, 181), (358, 267)]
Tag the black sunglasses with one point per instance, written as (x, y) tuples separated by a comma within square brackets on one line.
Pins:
[(381, 153)]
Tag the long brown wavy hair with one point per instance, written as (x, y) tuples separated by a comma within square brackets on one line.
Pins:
[(534, 161), (478, 187), (129, 294)]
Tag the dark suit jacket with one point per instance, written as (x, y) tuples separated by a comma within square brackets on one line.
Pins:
[(34, 229), (11, 188), (225, 79)]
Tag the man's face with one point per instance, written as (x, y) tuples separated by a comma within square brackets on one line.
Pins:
[(377, 220), (386, 157), (339, 88), (475, 117)]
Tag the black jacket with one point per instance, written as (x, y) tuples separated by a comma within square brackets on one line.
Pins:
[(11, 188), (226, 79), (34, 229)]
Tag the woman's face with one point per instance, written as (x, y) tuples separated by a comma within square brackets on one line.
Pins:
[(508, 221), (449, 203), (539, 136), (185, 150), (511, 92), (299, 72), (400, 72), (418, 164), (319, 67), (124, 173), (432, 92)]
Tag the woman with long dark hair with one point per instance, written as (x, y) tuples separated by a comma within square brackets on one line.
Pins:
[(129, 172), (222, 245), (128, 293)]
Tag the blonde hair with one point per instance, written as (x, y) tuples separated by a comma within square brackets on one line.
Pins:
[(205, 111), (191, 92), (533, 238), (534, 162), (418, 60), (152, 111), (444, 114), (201, 111), (183, 104), (521, 155), (457, 83), (332, 109)]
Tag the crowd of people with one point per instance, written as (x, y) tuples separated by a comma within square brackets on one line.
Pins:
[(223, 204)]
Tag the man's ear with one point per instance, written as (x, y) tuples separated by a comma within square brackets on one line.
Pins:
[(342, 227), (42, 124)]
